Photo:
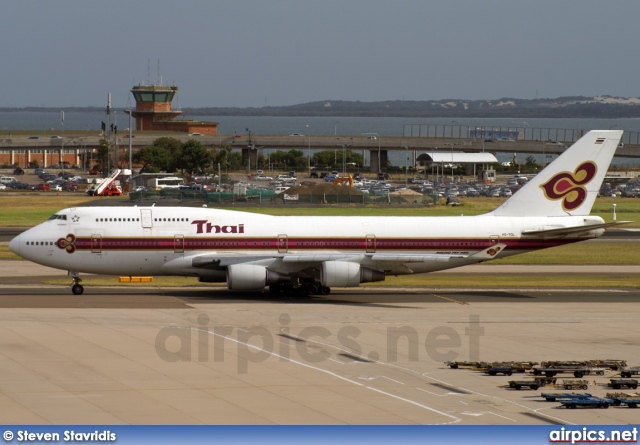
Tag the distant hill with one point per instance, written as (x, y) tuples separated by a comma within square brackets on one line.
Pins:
[(562, 107)]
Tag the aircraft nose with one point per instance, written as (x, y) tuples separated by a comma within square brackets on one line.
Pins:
[(14, 245)]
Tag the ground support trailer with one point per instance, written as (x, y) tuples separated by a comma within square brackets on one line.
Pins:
[(519, 384), (623, 383), (558, 396), (587, 402)]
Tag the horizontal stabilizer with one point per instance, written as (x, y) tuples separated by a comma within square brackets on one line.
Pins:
[(561, 231)]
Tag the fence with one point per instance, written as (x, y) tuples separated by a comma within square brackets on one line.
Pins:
[(270, 197), (513, 132)]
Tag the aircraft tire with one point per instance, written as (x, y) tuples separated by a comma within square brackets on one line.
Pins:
[(324, 290), (77, 289)]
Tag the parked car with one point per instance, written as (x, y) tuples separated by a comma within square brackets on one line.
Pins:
[(453, 200), (7, 179), (37, 138), (18, 171), (43, 187), (55, 137)]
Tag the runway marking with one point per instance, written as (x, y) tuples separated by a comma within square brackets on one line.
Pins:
[(389, 378), (441, 383), (326, 371), (486, 412), (441, 395), (450, 299), (469, 391)]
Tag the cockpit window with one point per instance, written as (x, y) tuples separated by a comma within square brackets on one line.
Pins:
[(62, 217)]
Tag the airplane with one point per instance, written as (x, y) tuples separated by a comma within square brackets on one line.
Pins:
[(302, 255)]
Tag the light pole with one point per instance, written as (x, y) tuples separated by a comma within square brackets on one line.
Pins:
[(62, 143), (309, 152), (130, 144), (406, 166), (335, 128), (344, 160)]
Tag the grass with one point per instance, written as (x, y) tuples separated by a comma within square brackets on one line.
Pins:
[(29, 209)]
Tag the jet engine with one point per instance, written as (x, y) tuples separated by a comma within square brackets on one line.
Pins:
[(345, 274), (251, 277)]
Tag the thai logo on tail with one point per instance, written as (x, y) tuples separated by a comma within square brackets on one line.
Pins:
[(68, 243), (570, 186)]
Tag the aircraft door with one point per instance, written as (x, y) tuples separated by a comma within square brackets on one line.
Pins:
[(283, 243), (371, 243), (495, 239), (96, 243), (178, 243), (145, 218)]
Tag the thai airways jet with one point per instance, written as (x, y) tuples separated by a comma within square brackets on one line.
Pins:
[(309, 255)]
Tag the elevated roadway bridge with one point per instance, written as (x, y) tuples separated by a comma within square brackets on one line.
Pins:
[(22, 149)]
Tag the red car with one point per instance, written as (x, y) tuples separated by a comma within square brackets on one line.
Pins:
[(43, 188)]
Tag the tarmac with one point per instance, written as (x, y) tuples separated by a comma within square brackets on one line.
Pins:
[(206, 355)]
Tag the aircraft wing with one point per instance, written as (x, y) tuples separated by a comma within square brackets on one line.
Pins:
[(561, 231), (228, 259)]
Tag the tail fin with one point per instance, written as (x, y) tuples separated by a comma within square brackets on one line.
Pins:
[(570, 184)]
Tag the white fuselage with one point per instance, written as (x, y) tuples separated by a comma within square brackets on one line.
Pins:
[(165, 240)]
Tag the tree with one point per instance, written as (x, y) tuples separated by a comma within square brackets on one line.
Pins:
[(297, 160), (530, 163), (194, 157), (174, 148), (226, 159), (334, 158), (154, 159), (103, 154)]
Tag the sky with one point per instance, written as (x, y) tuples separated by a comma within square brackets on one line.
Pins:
[(254, 53)]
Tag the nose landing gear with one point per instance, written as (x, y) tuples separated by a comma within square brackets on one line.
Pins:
[(76, 287)]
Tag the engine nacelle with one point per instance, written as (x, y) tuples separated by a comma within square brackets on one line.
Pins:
[(345, 274), (250, 277)]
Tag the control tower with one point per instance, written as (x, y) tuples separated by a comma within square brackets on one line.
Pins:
[(153, 105), (153, 112)]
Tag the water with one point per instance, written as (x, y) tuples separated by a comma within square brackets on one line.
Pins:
[(346, 126)]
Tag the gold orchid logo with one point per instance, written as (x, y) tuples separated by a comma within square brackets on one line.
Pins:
[(570, 186), (68, 243)]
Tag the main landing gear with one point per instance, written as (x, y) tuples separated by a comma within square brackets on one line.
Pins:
[(293, 289), (76, 287)]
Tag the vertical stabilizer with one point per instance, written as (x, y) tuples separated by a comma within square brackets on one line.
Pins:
[(570, 184)]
